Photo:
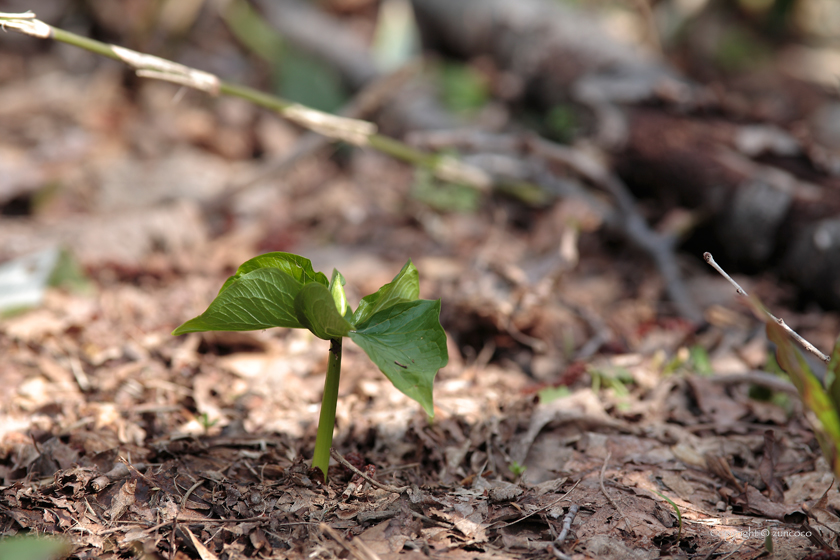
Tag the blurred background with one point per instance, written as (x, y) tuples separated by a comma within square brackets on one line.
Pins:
[(604, 146)]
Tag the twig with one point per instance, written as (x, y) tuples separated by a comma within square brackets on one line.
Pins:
[(352, 131), (356, 547), (781, 322), (337, 456), (713, 550), (602, 333), (564, 532), (623, 216), (610, 498), (429, 520), (660, 247), (567, 524), (732, 553), (756, 377), (190, 491)]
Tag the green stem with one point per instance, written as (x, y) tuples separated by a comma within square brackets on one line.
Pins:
[(326, 423)]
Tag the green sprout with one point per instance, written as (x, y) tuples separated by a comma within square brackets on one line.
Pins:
[(676, 509), (400, 333), (206, 422), (516, 469)]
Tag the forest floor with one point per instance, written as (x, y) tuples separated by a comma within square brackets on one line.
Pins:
[(571, 385)]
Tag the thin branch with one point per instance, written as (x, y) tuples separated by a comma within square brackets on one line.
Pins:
[(567, 524), (337, 456), (357, 547), (756, 377), (564, 532), (781, 322), (660, 247), (352, 131), (606, 494), (622, 215)]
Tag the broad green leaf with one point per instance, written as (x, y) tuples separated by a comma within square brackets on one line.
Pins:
[(315, 309), (337, 291), (404, 287), (256, 300), (295, 266), (408, 345), (810, 389)]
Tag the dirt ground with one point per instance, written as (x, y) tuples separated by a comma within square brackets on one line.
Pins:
[(579, 416)]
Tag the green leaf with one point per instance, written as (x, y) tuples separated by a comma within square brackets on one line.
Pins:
[(463, 88), (256, 300), (315, 309), (251, 29), (408, 345), (404, 287), (676, 509), (295, 266), (832, 376), (306, 79), (337, 291)]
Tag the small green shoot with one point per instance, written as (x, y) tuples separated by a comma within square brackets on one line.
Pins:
[(516, 469), (70, 275), (206, 423), (463, 88), (672, 366), (618, 379), (700, 360), (561, 121), (677, 510), (400, 333)]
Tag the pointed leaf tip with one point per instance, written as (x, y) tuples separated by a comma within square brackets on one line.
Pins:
[(404, 287)]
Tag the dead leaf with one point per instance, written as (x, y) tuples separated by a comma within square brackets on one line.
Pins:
[(122, 500), (767, 467), (202, 550)]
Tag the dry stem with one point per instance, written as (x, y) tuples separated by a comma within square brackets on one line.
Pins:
[(798, 338), (352, 131), (388, 488)]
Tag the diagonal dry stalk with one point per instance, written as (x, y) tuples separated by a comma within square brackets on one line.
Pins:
[(352, 131), (796, 336)]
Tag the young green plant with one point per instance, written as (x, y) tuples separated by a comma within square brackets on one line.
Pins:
[(400, 333)]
